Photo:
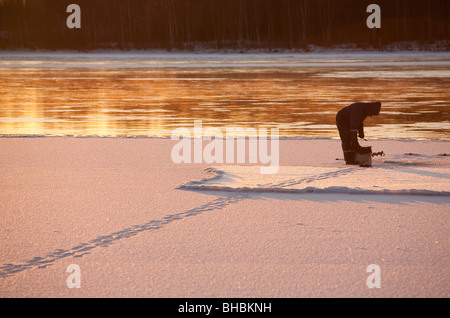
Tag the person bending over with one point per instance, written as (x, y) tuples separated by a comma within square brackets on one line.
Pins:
[(350, 123)]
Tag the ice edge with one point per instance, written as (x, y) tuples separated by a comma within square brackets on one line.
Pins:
[(215, 174)]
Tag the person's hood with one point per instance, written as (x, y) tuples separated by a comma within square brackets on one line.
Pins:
[(373, 109)]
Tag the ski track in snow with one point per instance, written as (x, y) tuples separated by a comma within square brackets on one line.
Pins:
[(85, 248), (239, 194), (410, 174)]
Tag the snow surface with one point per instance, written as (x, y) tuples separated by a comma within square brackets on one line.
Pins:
[(307, 179), (398, 173), (111, 206)]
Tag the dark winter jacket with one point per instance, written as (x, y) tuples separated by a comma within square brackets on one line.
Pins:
[(351, 118)]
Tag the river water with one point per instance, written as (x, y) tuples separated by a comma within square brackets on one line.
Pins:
[(151, 95)]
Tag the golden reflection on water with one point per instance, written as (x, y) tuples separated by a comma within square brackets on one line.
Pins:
[(153, 102)]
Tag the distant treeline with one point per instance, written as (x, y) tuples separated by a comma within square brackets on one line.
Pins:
[(220, 24)]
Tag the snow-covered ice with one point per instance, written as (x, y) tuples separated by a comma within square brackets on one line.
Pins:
[(351, 180), (407, 173), (156, 59), (112, 207)]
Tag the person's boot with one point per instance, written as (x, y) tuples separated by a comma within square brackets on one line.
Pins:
[(349, 157)]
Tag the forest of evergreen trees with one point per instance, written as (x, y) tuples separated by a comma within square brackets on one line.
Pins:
[(219, 24)]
